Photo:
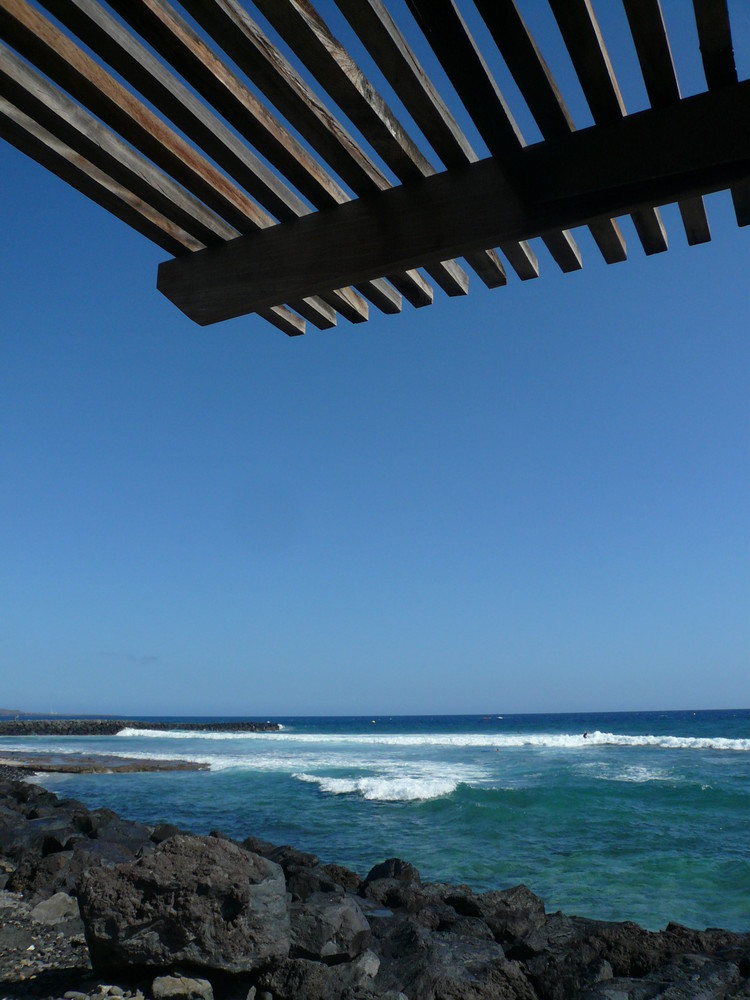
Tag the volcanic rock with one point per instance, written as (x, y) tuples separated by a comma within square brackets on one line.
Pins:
[(195, 900)]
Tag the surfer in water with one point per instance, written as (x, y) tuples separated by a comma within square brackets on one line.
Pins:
[(586, 735)]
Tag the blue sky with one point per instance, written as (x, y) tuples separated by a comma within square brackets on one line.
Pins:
[(531, 499)]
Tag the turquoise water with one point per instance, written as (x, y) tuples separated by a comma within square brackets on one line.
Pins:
[(647, 819)]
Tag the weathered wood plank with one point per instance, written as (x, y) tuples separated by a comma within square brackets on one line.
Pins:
[(33, 94), (38, 40), (232, 28), (116, 46), (309, 37), (541, 93), (284, 319), (386, 44), (717, 53), (460, 57), (583, 39), (655, 57), (183, 48), (31, 138), (642, 160)]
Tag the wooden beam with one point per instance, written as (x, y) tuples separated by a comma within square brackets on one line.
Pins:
[(50, 152), (309, 37), (583, 39), (540, 91), (386, 44), (107, 36), (717, 53), (38, 40), (305, 31), (642, 160), (655, 57), (232, 28), (460, 57)]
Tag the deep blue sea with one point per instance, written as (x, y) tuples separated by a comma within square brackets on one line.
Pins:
[(648, 818)]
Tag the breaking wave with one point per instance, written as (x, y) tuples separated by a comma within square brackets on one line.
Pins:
[(488, 740), (382, 789)]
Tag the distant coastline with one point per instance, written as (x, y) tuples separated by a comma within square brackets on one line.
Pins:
[(48, 726)]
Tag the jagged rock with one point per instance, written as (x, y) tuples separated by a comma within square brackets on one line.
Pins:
[(194, 900), (433, 965), (56, 910), (163, 831), (330, 928), (394, 868), (510, 914), (302, 882), (181, 988), (298, 978)]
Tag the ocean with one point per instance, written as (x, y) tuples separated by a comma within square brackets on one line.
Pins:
[(647, 818)]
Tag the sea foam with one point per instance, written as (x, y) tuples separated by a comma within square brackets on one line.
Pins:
[(384, 789), (560, 741)]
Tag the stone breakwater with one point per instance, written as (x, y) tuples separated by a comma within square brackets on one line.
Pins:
[(93, 905), (110, 727)]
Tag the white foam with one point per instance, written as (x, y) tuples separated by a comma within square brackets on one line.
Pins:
[(561, 741), (384, 789)]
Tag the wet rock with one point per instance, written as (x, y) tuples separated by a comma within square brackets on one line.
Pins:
[(195, 900)]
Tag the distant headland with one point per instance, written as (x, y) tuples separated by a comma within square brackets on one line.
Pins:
[(49, 726)]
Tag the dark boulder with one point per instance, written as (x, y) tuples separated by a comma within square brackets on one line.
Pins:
[(195, 900), (330, 928), (301, 979)]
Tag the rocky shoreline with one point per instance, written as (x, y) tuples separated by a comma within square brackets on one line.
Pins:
[(110, 727), (50, 763), (93, 905)]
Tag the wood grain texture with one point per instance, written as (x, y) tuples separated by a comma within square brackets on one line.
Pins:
[(639, 161), (657, 66), (583, 39), (393, 55), (31, 138), (178, 43), (309, 37)]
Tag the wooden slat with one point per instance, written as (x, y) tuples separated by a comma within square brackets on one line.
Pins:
[(309, 36), (119, 49), (583, 39), (38, 40), (31, 138), (386, 44), (538, 87), (107, 36), (644, 159), (449, 36), (231, 27), (655, 57), (173, 38), (33, 94), (717, 53)]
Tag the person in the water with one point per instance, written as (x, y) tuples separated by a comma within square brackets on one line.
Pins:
[(586, 735)]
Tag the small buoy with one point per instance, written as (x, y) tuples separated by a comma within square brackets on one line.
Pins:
[(373, 722)]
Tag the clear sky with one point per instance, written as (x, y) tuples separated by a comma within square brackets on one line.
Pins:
[(530, 499)]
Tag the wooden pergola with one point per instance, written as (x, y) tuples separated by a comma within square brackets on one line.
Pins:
[(195, 128)]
